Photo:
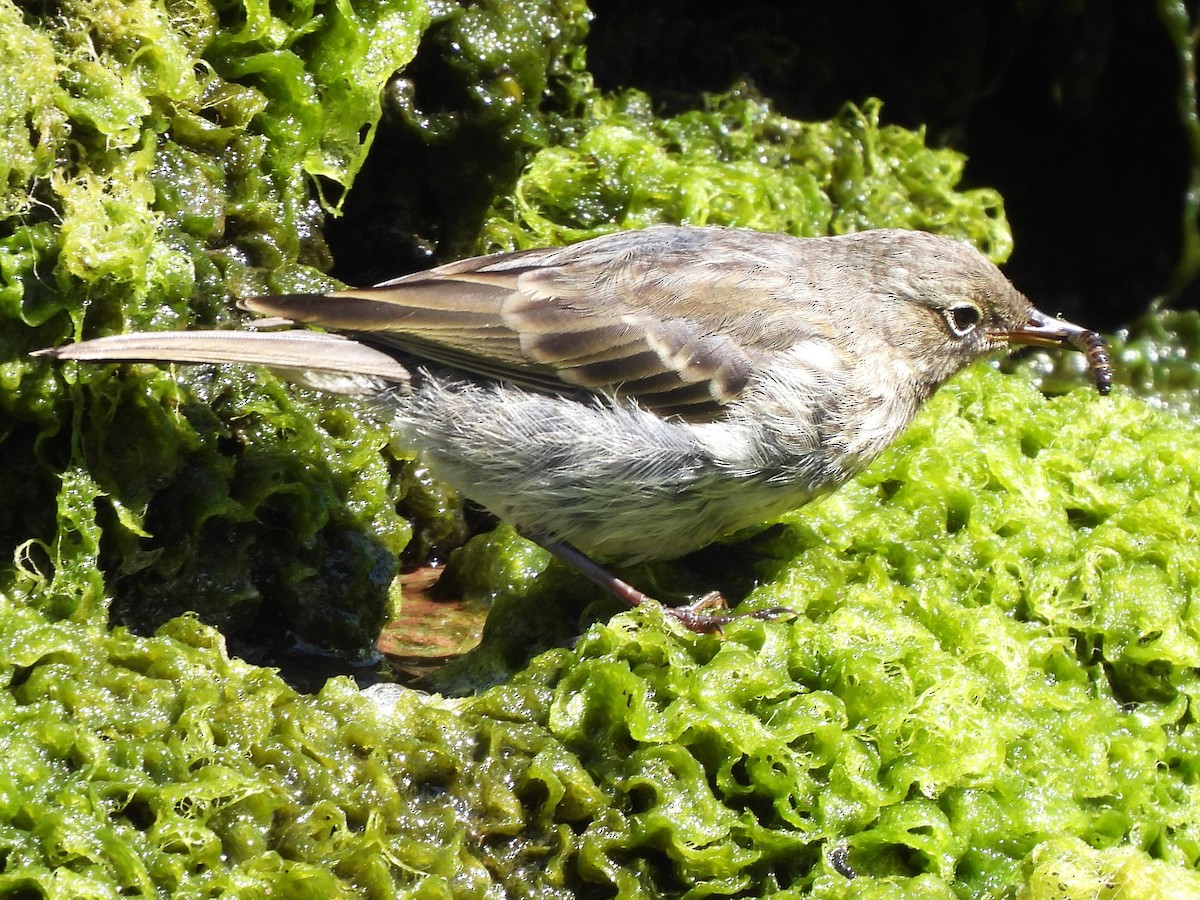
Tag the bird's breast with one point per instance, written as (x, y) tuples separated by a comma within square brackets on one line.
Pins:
[(825, 415)]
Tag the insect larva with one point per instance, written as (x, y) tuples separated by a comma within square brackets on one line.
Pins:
[(839, 858), (1095, 349)]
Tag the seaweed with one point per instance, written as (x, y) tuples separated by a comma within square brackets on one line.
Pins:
[(159, 161)]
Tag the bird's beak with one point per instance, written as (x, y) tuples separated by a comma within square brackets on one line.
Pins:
[(1043, 331)]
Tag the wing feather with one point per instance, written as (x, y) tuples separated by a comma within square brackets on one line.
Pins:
[(645, 315), (298, 348)]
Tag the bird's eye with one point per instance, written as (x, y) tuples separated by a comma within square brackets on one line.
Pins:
[(963, 318)]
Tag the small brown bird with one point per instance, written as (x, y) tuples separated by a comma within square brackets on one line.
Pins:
[(639, 395)]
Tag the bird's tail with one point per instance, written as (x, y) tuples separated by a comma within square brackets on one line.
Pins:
[(297, 350)]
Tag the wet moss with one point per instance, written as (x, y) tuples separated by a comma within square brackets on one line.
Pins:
[(159, 162), (987, 686), (739, 162)]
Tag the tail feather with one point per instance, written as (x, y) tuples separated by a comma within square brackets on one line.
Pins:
[(298, 349)]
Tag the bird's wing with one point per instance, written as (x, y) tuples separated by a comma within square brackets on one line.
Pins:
[(648, 315)]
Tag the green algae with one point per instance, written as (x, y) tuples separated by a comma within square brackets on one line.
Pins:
[(159, 161), (738, 162), (986, 688), (209, 777)]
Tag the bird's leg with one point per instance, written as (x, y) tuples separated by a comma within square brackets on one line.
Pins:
[(695, 616)]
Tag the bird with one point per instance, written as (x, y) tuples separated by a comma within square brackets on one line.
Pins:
[(639, 395)]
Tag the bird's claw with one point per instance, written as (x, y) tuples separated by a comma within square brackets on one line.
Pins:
[(698, 617)]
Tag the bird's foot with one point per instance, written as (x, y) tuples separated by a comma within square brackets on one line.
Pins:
[(703, 618)]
